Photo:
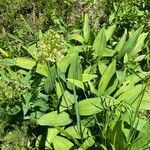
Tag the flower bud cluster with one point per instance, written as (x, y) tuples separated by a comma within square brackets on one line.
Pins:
[(51, 47), (10, 92)]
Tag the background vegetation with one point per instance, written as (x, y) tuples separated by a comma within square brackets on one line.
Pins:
[(74, 74)]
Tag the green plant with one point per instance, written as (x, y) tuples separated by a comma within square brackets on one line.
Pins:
[(129, 14), (97, 91)]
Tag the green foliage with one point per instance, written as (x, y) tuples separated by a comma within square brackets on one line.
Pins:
[(84, 89)]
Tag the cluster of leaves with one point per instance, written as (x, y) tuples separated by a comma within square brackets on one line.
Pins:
[(129, 14), (74, 89), (94, 97)]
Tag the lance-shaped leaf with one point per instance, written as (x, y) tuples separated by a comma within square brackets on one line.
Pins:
[(138, 46), (110, 31), (32, 50), (75, 72), (131, 95), (28, 63), (7, 62), (93, 106), (73, 131), (55, 119), (106, 77), (76, 37), (121, 43), (86, 28), (61, 143), (90, 106), (87, 143), (67, 101), (143, 139), (51, 135), (99, 44), (130, 44)]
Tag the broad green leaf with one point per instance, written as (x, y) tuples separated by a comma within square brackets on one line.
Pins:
[(59, 89), (121, 43), (143, 140), (76, 37), (123, 88), (61, 143), (99, 44), (112, 87), (76, 49), (139, 58), (102, 67), (130, 44), (116, 136), (106, 77), (32, 50), (88, 77), (110, 31), (7, 62), (91, 69), (92, 88), (73, 131), (75, 70), (136, 77), (4, 53), (141, 123), (125, 59), (138, 46), (77, 83), (75, 73), (128, 119), (90, 106), (145, 105), (28, 63), (108, 52), (87, 143), (67, 101), (121, 75), (50, 81), (55, 119), (63, 64), (88, 121), (86, 28), (132, 94), (88, 70), (51, 135), (64, 132)]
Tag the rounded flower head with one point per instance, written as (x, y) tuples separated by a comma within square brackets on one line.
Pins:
[(51, 46)]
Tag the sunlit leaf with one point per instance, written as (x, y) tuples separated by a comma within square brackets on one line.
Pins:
[(86, 28), (76, 37), (90, 106), (106, 77), (51, 135), (121, 42), (110, 31), (55, 119), (99, 44), (87, 143), (61, 143), (131, 43), (73, 131), (67, 101)]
